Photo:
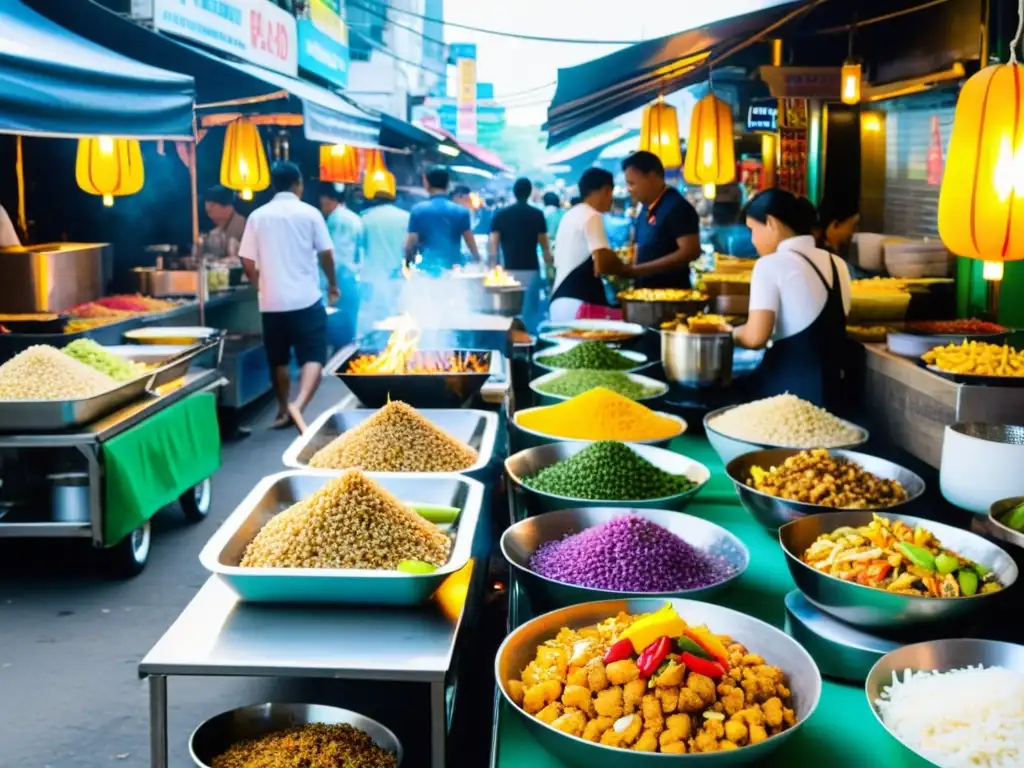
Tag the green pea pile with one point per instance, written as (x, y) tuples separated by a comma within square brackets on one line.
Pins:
[(591, 355), (576, 382), (608, 471)]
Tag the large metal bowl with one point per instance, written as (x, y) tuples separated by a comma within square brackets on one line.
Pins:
[(519, 542), (999, 530), (728, 448), (546, 398), (697, 360), (772, 512), (520, 648), (215, 736), (538, 358), (523, 438), (938, 656), (651, 314), (532, 460), (872, 608)]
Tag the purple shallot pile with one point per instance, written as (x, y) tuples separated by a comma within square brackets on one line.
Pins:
[(629, 554)]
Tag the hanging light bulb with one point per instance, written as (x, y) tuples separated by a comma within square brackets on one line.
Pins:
[(709, 191), (659, 133), (710, 154), (243, 166), (109, 167)]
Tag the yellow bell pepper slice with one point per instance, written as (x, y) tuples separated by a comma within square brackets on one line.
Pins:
[(703, 637), (663, 623)]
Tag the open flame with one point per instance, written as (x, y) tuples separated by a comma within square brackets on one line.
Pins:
[(498, 277), (400, 356)]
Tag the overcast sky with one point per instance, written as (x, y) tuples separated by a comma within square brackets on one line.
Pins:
[(515, 66)]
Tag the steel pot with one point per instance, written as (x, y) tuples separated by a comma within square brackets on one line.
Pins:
[(502, 300), (697, 359)]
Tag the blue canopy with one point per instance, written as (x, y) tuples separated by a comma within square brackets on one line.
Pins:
[(54, 83), (327, 117), (597, 91)]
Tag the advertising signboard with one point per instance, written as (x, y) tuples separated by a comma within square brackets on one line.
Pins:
[(323, 42)]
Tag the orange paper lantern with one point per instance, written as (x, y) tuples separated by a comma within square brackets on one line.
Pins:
[(981, 203), (378, 179), (710, 155), (243, 166), (109, 167), (339, 164), (659, 134)]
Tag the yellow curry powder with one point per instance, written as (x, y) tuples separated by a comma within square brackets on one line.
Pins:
[(599, 414)]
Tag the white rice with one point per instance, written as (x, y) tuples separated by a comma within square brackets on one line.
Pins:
[(785, 420), (965, 718)]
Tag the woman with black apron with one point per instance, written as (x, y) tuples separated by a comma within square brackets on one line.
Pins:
[(799, 299)]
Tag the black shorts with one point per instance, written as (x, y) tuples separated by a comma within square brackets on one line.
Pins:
[(304, 330)]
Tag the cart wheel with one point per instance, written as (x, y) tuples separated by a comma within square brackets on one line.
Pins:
[(129, 557), (196, 501)]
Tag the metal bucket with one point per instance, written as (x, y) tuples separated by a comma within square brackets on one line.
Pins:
[(69, 497), (697, 359), (503, 300)]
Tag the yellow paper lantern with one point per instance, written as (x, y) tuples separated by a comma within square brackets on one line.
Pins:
[(981, 203), (339, 164), (659, 133), (109, 167), (243, 166), (710, 154), (851, 76), (378, 179)]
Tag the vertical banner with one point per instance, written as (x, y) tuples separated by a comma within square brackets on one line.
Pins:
[(323, 42), (465, 64)]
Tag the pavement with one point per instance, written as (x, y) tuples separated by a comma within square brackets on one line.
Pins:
[(71, 638)]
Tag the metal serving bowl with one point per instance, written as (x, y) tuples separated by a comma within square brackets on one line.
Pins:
[(219, 733), (538, 358), (728, 448), (520, 648), (546, 398), (523, 438), (997, 529), (697, 360), (519, 542), (651, 314), (533, 460), (772, 512), (938, 656), (872, 608)]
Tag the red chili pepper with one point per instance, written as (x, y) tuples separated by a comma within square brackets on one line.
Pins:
[(711, 669), (621, 651), (653, 655)]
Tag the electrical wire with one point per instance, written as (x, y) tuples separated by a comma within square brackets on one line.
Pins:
[(494, 32), (514, 94)]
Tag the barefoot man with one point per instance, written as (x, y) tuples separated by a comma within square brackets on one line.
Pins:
[(285, 244)]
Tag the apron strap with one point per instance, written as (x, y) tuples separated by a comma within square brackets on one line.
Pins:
[(824, 282)]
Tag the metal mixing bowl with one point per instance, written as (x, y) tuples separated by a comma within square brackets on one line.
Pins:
[(520, 648), (999, 530), (519, 542), (728, 448), (523, 437), (772, 512), (216, 735), (546, 398), (872, 608), (532, 460), (938, 656)]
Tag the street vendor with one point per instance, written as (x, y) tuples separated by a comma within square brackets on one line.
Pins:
[(228, 224), (667, 226), (799, 300)]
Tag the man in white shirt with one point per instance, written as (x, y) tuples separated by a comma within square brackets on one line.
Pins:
[(385, 227), (8, 235), (283, 242), (346, 230)]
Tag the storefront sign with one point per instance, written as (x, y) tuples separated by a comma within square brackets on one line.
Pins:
[(803, 82), (323, 42), (762, 117), (465, 126), (256, 31)]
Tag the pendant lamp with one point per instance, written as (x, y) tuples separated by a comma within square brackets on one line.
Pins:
[(659, 133), (710, 155), (851, 78), (378, 179), (243, 166), (339, 164), (981, 202), (109, 167)]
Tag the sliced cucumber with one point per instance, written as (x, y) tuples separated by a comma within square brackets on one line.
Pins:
[(435, 513)]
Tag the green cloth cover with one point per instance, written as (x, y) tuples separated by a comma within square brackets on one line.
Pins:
[(153, 463)]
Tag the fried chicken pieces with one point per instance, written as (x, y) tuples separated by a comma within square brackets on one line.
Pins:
[(676, 711)]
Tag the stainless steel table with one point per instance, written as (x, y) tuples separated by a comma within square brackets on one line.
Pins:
[(218, 636)]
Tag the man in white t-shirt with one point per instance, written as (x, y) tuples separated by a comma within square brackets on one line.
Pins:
[(8, 235), (285, 245)]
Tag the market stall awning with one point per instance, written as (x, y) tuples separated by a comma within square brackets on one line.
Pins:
[(326, 116), (480, 157), (55, 83), (597, 91), (592, 145), (399, 133)]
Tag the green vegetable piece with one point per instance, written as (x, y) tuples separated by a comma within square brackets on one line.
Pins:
[(416, 567), (968, 582), (439, 514), (919, 556), (95, 356), (591, 355), (1015, 518), (946, 563), (686, 645), (981, 570)]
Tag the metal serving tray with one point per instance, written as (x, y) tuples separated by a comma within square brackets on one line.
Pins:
[(276, 493), (477, 429)]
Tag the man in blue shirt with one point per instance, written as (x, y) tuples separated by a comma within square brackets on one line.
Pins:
[(437, 227)]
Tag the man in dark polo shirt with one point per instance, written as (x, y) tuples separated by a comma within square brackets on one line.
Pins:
[(667, 227), (517, 232)]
